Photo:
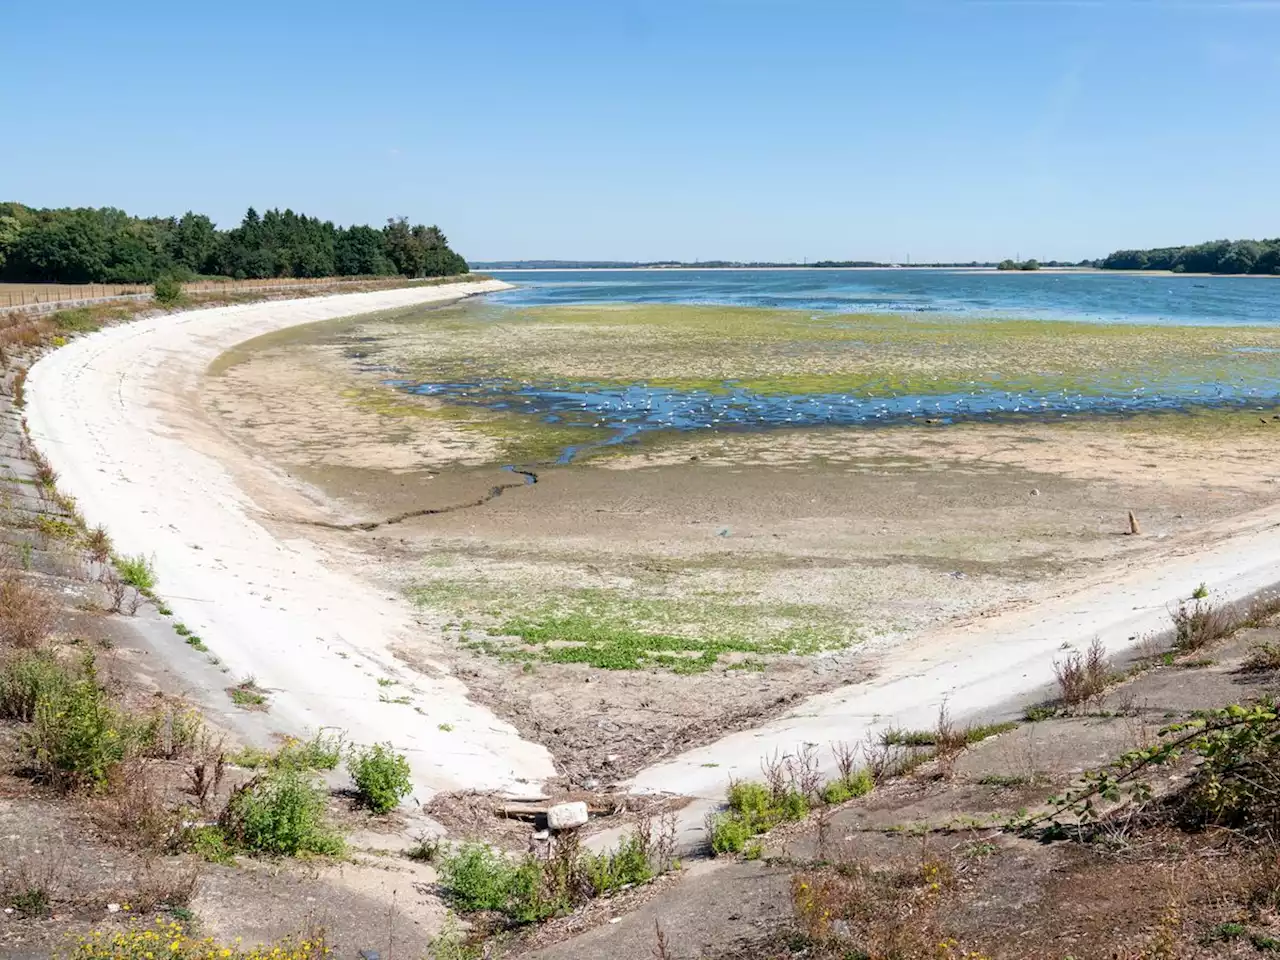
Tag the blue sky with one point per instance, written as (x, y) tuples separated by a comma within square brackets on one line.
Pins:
[(746, 130)]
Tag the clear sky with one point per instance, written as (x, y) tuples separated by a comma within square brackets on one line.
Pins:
[(611, 129)]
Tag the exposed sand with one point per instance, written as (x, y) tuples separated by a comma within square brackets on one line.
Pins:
[(102, 410)]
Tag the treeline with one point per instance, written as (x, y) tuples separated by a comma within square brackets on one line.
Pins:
[(88, 245), (1217, 256)]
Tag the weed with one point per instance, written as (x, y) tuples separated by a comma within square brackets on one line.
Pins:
[(171, 939), (77, 737), (478, 878), (26, 613), (424, 851), (452, 944), (1005, 780), (402, 700), (381, 776), (209, 843), (445, 727), (847, 788), (133, 810), (124, 598), (897, 737), (1201, 623), (207, 770), (755, 808), (98, 543), (27, 679), (1201, 592), (20, 388), (138, 572), (280, 812), (248, 695), (1083, 679), (55, 528), (1262, 657), (76, 320), (386, 682)]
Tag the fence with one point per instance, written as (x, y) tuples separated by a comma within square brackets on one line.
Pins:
[(17, 295)]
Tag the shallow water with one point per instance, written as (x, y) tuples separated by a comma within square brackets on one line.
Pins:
[(628, 411), (1104, 297)]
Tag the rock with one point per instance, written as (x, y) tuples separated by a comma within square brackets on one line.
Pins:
[(1035, 493), (590, 784), (612, 758), (566, 816), (542, 834), (113, 908)]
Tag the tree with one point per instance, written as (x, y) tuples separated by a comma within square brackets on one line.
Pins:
[(106, 244), (360, 252), (193, 243), (10, 228)]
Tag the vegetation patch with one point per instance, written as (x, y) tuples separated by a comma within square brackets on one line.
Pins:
[(280, 812), (616, 630), (381, 775), (172, 940), (138, 572), (532, 888), (248, 695)]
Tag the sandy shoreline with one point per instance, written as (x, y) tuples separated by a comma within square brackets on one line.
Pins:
[(270, 608)]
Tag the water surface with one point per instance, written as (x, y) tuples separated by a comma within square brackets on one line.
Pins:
[(1104, 297)]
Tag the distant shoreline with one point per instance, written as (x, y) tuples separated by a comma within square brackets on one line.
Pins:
[(904, 269)]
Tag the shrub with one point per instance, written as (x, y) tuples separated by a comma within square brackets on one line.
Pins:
[(381, 776), (25, 680), (478, 878), (77, 736), (626, 866), (321, 752), (280, 812), (26, 612), (1200, 623), (1083, 678), (137, 572), (167, 291), (730, 833), (755, 808)]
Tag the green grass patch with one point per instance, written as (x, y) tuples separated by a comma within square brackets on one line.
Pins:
[(614, 630), (844, 789)]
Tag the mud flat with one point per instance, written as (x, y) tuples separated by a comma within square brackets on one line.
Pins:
[(115, 413), (639, 603)]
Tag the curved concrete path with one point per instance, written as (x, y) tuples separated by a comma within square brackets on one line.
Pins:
[(270, 608)]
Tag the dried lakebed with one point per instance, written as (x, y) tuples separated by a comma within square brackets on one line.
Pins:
[(681, 578)]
